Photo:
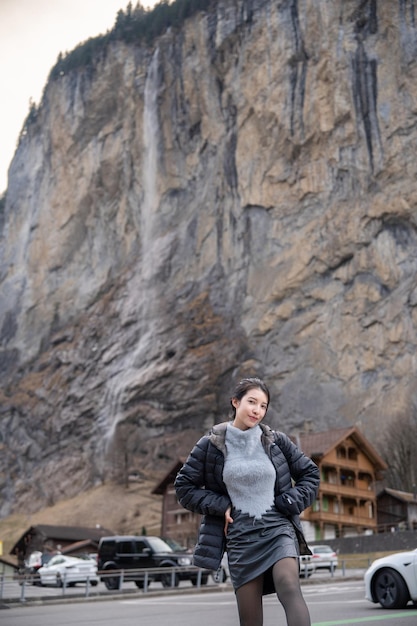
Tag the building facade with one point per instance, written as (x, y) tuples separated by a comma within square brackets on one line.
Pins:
[(350, 469)]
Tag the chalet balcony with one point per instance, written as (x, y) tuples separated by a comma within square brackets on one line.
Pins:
[(341, 519), (346, 491)]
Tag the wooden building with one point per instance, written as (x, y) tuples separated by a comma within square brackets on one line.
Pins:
[(47, 538), (397, 510), (177, 523), (350, 468)]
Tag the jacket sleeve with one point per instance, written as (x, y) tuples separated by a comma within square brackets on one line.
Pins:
[(190, 484), (305, 478)]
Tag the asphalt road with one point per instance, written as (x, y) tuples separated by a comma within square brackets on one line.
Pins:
[(334, 603)]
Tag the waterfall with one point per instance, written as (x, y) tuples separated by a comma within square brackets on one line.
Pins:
[(126, 367), (150, 164)]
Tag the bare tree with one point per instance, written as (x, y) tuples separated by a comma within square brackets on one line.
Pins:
[(399, 450)]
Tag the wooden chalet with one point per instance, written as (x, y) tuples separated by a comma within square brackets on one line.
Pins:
[(350, 468), (177, 523), (397, 510), (46, 538)]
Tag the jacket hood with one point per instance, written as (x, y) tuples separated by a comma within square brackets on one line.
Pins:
[(217, 435)]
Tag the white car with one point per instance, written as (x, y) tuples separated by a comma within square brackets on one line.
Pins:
[(392, 580), (68, 570), (324, 557), (223, 572), (306, 566)]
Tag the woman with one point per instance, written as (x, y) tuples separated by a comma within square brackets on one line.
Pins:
[(250, 483)]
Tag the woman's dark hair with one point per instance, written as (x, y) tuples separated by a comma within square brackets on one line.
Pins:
[(245, 385)]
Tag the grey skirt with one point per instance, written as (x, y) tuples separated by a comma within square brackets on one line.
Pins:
[(255, 545)]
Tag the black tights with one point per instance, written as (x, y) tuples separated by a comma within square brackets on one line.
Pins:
[(287, 585)]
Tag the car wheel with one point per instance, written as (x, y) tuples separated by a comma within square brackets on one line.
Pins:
[(140, 584), (390, 589), (111, 582), (203, 581), (166, 580), (219, 576), (94, 583)]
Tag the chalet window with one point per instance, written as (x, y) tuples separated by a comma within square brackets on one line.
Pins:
[(347, 478), (341, 452), (365, 478), (183, 517), (333, 478), (328, 475), (353, 454)]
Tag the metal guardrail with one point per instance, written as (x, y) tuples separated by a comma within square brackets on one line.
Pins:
[(171, 576), (18, 586), (23, 588)]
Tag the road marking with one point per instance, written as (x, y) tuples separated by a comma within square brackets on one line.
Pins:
[(361, 620), (179, 602)]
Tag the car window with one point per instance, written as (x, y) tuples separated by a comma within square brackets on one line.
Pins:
[(140, 546), (159, 545), (126, 547), (107, 548), (56, 560)]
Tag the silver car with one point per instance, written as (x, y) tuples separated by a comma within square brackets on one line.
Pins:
[(324, 557)]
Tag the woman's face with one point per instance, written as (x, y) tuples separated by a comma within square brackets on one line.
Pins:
[(251, 409)]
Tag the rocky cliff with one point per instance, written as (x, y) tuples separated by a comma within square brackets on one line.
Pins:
[(240, 198)]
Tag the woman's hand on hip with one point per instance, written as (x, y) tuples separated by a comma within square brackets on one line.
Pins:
[(228, 519)]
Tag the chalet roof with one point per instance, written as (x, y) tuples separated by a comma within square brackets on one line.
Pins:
[(403, 496), (317, 445), (169, 478), (60, 533), (77, 545), (9, 560)]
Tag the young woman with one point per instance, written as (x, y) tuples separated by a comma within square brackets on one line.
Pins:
[(250, 483)]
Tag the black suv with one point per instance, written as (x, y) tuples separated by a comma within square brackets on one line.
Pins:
[(126, 555)]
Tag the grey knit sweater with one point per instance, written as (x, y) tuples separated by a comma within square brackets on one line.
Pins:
[(248, 472)]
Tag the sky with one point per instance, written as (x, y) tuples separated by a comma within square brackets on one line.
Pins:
[(32, 34)]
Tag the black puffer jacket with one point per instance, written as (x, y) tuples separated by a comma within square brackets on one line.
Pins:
[(200, 488)]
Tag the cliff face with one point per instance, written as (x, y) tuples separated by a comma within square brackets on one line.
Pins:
[(241, 199)]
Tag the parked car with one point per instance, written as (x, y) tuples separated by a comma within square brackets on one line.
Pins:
[(127, 555), (392, 580), (68, 570), (223, 573), (33, 564), (177, 547), (306, 565), (324, 557)]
